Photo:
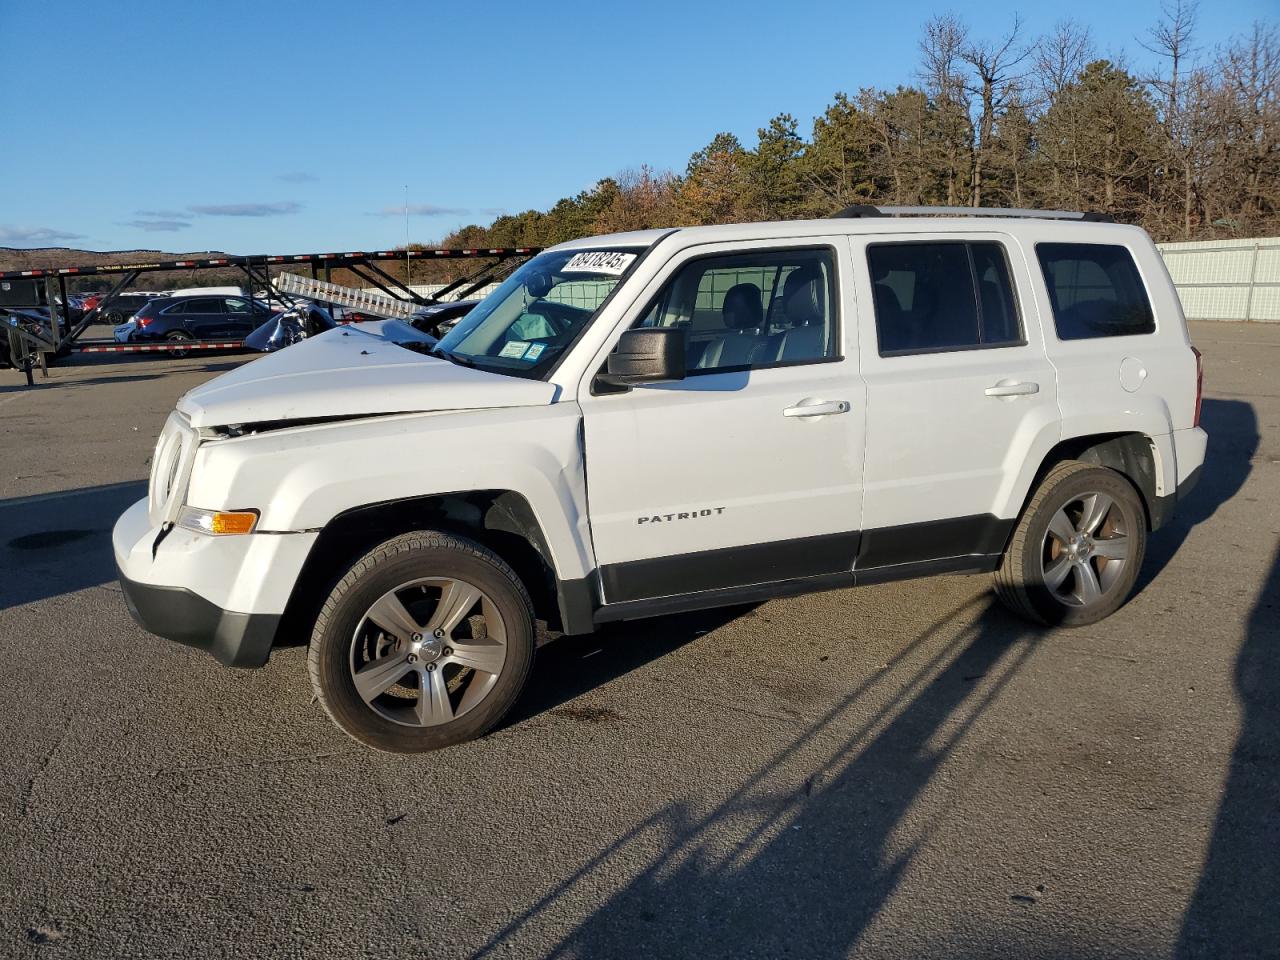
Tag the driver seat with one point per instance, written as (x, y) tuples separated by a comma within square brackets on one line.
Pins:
[(743, 315)]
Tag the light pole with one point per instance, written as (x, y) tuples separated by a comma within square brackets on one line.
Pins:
[(408, 264)]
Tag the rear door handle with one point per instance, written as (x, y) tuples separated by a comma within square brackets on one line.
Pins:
[(1012, 388), (809, 407)]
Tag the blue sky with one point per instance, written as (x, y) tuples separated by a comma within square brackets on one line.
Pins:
[(276, 127)]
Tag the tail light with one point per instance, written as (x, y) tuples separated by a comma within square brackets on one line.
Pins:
[(144, 322), (1199, 384)]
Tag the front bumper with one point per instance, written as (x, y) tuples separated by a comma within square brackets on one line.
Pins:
[(224, 595), (175, 613)]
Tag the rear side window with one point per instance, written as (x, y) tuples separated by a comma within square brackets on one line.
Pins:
[(934, 297), (1095, 291), (203, 306)]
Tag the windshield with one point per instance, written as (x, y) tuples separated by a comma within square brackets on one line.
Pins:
[(538, 311)]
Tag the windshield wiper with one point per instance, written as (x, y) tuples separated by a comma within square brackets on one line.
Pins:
[(438, 351)]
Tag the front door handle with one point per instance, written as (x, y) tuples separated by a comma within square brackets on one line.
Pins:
[(810, 407), (1012, 388)]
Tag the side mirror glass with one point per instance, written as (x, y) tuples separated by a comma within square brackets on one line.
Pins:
[(646, 355)]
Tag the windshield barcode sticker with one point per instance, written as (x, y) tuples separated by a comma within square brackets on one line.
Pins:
[(612, 262)]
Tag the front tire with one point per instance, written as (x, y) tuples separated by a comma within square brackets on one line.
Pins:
[(426, 642), (1076, 551)]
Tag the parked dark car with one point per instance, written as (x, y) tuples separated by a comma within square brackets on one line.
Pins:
[(120, 308), (12, 319), (181, 320)]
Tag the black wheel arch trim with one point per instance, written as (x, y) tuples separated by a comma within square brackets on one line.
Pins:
[(500, 519), (1130, 454)]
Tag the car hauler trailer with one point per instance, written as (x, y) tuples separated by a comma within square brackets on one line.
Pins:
[(46, 289)]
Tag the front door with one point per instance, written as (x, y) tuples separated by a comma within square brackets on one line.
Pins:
[(240, 319), (205, 318), (749, 471)]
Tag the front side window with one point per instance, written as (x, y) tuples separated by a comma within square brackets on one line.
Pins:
[(236, 305), (537, 312), (752, 310), (936, 297), (1095, 291)]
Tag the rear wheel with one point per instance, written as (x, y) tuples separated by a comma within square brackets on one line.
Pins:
[(1076, 551), (179, 343), (426, 642)]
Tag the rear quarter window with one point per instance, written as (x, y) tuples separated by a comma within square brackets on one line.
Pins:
[(1095, 291)]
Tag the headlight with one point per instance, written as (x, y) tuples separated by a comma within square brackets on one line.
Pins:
[(218, 523)]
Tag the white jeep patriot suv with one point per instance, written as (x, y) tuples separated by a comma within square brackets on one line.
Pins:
[(659, 421)]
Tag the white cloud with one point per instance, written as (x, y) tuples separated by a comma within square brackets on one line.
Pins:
[(153, 226), (418, 210), (26, 236), (277, 209)]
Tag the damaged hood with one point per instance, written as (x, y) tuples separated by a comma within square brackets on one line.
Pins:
[(353, 371)]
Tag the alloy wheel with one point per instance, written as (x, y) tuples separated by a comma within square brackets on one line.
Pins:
[(1085, 549), (428, 651)]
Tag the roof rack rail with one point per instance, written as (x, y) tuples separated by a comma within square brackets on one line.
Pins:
[(869, 210)]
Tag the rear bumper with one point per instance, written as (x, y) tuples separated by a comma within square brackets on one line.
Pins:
[(175, 613), (1163, 508)]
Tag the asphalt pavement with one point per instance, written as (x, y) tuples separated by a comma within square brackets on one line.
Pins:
[(893, 771)]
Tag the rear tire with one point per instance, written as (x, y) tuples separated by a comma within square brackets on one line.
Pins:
[(426, 642), (1077, 549), (180, 343)]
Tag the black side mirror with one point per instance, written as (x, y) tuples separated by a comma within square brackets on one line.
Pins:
[(646, 355)]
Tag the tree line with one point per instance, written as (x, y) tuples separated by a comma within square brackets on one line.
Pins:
[(1188, 151)]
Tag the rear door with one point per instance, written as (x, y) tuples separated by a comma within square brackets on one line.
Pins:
[(960, 393)]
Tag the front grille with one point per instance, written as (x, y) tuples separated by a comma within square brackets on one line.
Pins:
[(170, 467)]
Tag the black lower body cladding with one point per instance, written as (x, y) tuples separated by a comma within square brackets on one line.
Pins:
[(233, 639)]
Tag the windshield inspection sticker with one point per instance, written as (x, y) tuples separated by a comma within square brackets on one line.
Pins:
[(534, 351), (612, 262), (514, 350)]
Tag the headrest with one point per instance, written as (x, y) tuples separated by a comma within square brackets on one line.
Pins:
[(802, 294), (742, 309)]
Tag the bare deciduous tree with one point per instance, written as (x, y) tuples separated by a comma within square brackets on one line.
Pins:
[(993, 83), (943, 72)]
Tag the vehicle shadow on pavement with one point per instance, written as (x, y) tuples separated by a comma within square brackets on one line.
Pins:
[(1232, 426), (59, 543), (570, 666), (1239, 888), (90, 382), (801, 856)]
